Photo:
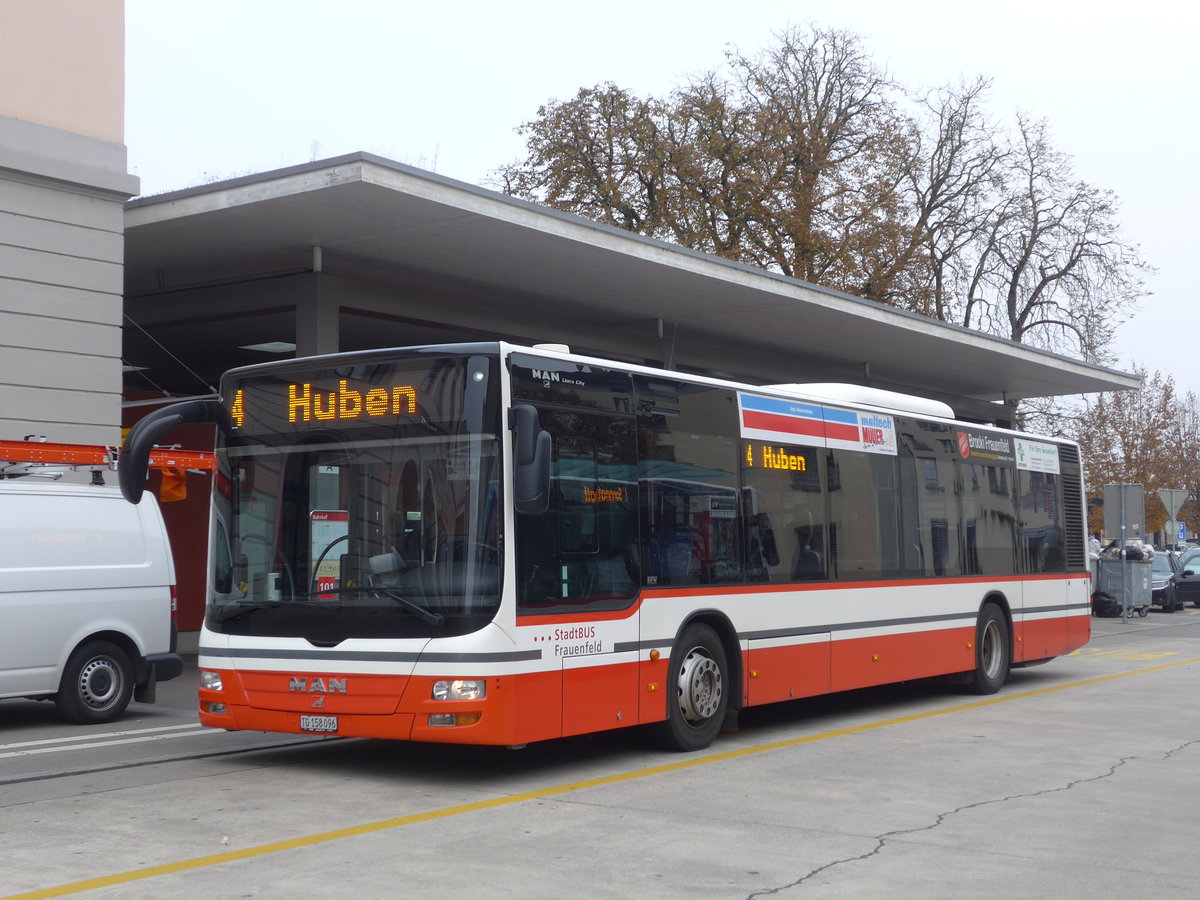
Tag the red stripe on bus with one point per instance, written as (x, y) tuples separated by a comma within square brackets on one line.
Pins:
[(842, 432), (783, 424)]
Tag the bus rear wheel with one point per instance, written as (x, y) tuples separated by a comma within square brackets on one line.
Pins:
[(697, 696), (993, 651)]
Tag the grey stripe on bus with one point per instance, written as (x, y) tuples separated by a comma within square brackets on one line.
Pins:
[(369, 656)]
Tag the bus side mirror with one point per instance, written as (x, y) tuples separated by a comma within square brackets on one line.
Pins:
[(531, 462), (135, 455)]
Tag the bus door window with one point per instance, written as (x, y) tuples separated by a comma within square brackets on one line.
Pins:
[(583, 551), (578, 480)]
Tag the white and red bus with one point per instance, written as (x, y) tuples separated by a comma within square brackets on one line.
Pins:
[(493, 544)]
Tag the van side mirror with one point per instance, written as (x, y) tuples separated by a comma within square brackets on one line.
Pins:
[(531, 462), (135, 455)]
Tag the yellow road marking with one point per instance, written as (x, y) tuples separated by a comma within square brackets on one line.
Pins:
[(1130, 655), (216, 859)]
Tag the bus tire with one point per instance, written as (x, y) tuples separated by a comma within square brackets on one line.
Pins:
[(697, 691), (993, 651), (96, 685)]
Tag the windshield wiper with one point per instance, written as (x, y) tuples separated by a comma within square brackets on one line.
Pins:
[(425, 615), (242, 609)]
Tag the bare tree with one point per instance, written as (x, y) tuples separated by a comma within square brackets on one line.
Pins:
[(1051, 268), (954, 175)]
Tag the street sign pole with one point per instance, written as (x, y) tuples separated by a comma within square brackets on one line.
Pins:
[(1172, 501)]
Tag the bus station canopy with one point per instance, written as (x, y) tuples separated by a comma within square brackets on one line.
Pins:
[(360, 251)]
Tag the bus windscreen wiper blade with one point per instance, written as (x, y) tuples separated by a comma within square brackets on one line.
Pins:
[(242, 609), (425, 615)]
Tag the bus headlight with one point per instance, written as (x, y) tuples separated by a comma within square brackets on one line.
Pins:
[(460, 689), (210, 681)]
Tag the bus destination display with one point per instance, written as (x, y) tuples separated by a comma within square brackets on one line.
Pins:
[(303, 404), (347, 397)]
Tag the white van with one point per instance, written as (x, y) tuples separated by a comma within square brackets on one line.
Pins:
[(87, 598)]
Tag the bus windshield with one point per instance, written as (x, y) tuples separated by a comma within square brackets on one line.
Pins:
[(359, 501)]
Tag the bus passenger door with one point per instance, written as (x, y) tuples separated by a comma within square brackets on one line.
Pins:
[(578, 569)]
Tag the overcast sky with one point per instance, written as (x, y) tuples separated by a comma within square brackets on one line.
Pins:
[(233, 87)]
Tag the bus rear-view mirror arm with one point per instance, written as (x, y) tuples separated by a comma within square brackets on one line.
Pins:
[(135, 455), (531, 464)]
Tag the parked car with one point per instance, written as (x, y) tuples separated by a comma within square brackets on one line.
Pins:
[(1187, 576), (87, 597), (1163, 576)]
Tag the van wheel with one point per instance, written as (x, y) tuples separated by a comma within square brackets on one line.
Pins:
[(97, 684)]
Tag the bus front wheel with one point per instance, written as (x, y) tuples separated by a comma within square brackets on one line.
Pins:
[(993, 651), (697, 691)]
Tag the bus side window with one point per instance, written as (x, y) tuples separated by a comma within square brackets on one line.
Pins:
[(687, 475), (784, 510), (222, 560), (1040, 518), (864, 515)]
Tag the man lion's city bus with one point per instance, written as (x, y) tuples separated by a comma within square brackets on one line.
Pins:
[(492, 544)]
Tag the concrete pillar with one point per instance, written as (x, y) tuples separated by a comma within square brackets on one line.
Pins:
[(317, 319)]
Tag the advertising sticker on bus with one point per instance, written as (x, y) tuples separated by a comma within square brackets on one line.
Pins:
[(801, 422), (987, 448)]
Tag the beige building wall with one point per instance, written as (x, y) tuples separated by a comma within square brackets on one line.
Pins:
[(62, 64), (63, 183)]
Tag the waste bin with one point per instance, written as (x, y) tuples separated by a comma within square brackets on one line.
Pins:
[(1125, 584)]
